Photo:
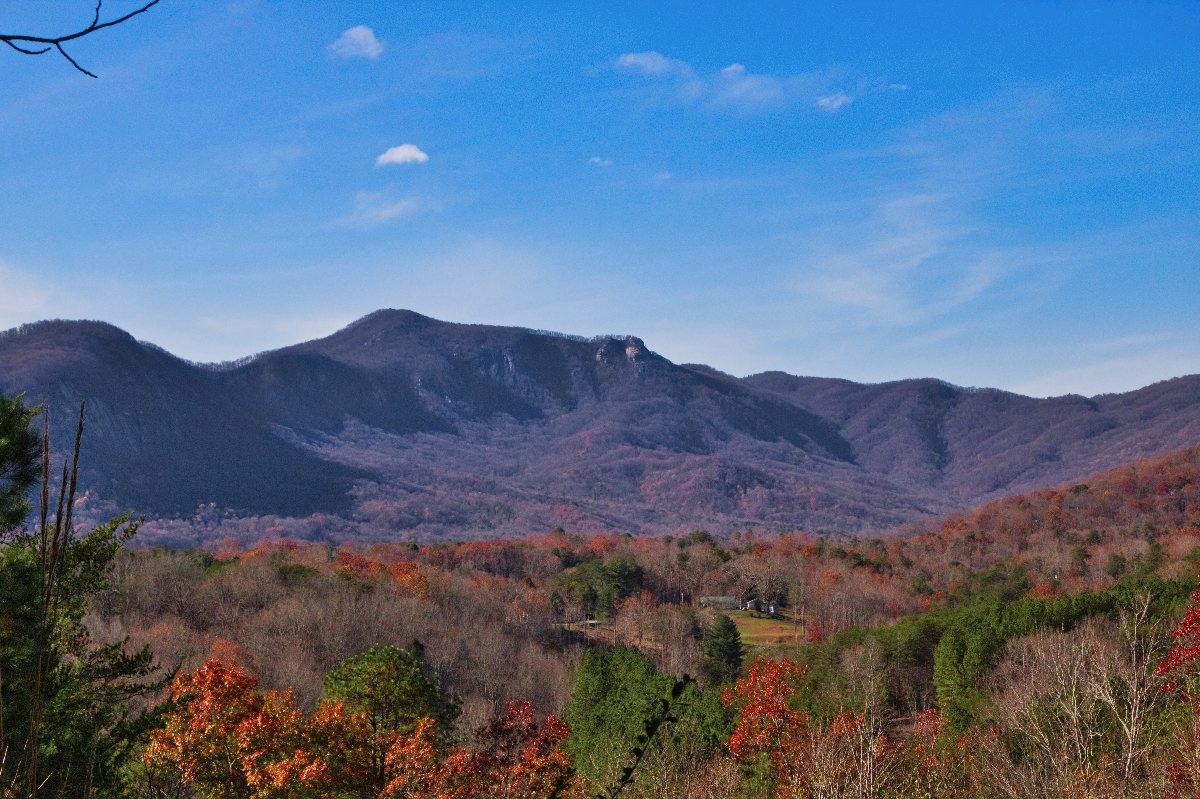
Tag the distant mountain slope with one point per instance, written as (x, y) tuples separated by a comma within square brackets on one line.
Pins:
[(975, 444), (402, 425)]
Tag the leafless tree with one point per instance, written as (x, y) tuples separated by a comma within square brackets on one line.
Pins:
[(676, 633), (847, 761), (716, 777), (1124, 681), (1060, 693), (28, 44)]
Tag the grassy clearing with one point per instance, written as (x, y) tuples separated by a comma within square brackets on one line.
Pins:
[(762, 632)]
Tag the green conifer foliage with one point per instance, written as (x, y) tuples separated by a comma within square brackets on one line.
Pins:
[(723, 651)]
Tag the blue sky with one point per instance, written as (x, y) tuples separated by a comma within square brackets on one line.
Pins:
[(994, 196)]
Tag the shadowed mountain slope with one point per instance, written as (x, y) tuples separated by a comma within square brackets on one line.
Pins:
[(402, 425)]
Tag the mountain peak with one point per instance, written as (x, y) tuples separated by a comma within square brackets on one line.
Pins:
[(393, 318), (79, 328), (614, 348)]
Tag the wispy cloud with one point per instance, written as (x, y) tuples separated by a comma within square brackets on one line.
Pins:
[(912, 263), (653, 63), (357, 42), (911, 248), (402, 154), (834, 102), (600, 161), (372, 209), (265, 164), (737, 87), (907, 263)]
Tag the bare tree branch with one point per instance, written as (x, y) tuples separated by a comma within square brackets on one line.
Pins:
[(20, 49), (74, 63), (22, 42)]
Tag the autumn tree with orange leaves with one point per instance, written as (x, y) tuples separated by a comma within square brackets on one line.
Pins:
[(228, 740), (517, 757), (393, 689)]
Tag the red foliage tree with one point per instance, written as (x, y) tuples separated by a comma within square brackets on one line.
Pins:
[(520, 758), (805, 760), (231, 741), (768, 725), (234, 742), (1183, 772), (517, 758), (1187, 645)]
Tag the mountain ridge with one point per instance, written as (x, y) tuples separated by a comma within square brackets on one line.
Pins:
[(401, 425)]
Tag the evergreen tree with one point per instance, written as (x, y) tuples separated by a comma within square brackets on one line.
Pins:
[(19, 461), (396, 689), (598, 587), (618, 695), (392, 685), (66, 727), (723, 652)]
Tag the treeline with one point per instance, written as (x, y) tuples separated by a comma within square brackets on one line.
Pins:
[(290, 619)]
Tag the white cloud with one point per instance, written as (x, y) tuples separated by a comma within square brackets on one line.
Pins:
[(597, 160), (661, 177), (736, 87), (403, 154), (375, 208), (357, 42), (833, 102), (652, 63)]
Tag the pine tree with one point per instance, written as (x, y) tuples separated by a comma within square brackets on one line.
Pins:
[(69, 717), (625, 716), (723, 651), (19, 461), (393, 686)]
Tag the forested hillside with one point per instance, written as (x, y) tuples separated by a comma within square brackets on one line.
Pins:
[(883, 664), (1042, 645), (404, 427), (499, 610)]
